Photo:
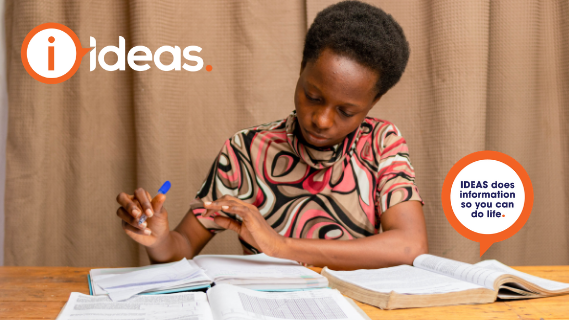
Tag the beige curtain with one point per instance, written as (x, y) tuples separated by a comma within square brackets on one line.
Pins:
[(482, 76)]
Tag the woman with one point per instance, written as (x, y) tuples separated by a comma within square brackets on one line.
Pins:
[(326, 172)]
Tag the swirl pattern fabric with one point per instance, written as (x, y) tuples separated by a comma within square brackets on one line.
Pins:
[(307, 192)]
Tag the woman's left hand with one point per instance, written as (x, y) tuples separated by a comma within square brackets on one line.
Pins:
[(254, 229)]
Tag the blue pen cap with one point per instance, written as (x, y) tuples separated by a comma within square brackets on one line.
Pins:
[(165, 187)]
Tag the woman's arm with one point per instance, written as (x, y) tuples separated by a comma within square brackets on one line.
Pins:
[(404, 237)]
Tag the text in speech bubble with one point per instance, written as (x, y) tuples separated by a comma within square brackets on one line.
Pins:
[(487, 197)]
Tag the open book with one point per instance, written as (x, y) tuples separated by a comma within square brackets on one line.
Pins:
[(259, 272), (435, 281), (222, 302)]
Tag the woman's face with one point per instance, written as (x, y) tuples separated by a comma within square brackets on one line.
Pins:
[(333, 96)]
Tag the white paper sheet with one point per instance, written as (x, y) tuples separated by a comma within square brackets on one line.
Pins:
[(225, 267), (458, 270), (125, 285), (187, 306), (502, 268), (123, 293), (168, 273), (403, 279), (103, 273), (232, 302)]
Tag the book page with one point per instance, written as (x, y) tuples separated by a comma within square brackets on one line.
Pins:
[(232, 302), (125, 285), (113, 271), (544, 283), (402, 279), (172, 272), (224, 267), (188, 306), (458, 270), (123, 293)]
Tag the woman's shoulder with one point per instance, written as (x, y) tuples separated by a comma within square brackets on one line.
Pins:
[(277, 125), (380, 123), (382, 131)]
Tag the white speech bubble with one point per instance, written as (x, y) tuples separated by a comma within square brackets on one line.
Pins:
[(488, 171), (65, 53)]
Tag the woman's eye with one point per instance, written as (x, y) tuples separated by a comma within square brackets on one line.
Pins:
[(311, 98), (345, 114)]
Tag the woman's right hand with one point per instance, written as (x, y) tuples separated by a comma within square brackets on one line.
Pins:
[(155, 229)]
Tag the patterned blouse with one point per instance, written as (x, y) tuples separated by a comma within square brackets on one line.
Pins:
[(308, 192)]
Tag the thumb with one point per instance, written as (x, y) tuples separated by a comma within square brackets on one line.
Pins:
[(228, 223), (158, 203)]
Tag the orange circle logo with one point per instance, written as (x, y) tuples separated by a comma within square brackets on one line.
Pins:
[(52, 53), (487, 197)]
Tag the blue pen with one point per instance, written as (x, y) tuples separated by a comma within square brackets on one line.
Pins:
[(163, 189)]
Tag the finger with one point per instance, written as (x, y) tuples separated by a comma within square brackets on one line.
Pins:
[(130, 230), (216, 205), (144, 199), (219, 205), (126, 201), (149, 197), (212, 207), (239, 210), (138, 207), (121, 213), (158, 202), (137, 203), (208, 213), (228, 223), (233, 199), (236, 226)]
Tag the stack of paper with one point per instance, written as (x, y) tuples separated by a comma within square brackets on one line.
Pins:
[(259, 272), (123, 285)]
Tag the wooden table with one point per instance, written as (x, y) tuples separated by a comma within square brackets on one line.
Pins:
[(40, 292)]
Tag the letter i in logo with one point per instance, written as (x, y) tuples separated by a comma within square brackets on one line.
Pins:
[(50, 55), (58, 67)]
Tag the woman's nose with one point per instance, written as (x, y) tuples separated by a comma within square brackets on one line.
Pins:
[(323, 118)]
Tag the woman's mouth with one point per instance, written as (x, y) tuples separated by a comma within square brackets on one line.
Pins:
[(316, 137)]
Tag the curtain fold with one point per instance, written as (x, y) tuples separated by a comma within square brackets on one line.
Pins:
[(483, 75), (525, 83)]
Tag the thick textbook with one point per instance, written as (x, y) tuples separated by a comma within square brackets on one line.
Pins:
[(222, 302), (436, 281), (259, 272)]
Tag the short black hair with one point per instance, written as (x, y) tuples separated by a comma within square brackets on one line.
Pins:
[(361, 32)]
